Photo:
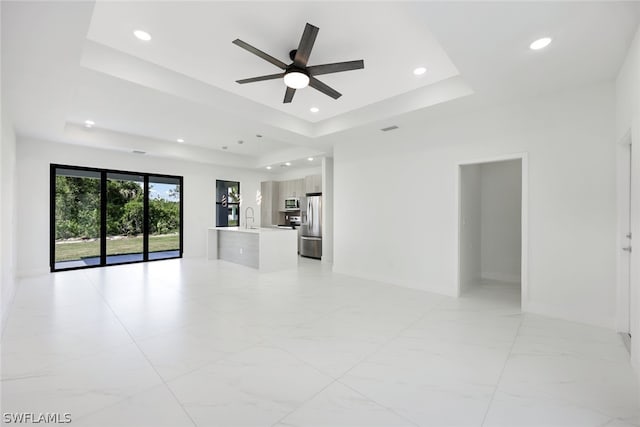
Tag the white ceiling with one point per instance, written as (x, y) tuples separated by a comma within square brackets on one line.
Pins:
[(65, 62), (194, 39)]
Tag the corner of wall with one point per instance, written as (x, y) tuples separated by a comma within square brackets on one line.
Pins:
[(8, 217), (327, 217)]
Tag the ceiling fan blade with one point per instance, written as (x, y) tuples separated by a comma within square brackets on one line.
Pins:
[(261, 78), (336, 67), (288, 95), (318, 85), (261, 54), (305, 46)]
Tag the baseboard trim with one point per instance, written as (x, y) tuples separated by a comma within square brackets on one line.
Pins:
[(32, 273), (394, 281), (564, 314), (501, 277)]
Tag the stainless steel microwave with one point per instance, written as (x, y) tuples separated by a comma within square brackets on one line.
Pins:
[(291, 203)]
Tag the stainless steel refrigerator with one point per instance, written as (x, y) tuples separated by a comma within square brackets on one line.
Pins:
[(311, 229)]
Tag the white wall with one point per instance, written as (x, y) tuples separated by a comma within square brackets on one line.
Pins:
[(289, 174), (7, 215), (470, 226), (396, 191), (327, 210), (501, 195), (34, 158), (628, 120)]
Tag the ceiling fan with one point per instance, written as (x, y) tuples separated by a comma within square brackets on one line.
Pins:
[(298, 75)]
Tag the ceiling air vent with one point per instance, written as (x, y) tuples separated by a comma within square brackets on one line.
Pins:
[(138, 152), (388, 128)]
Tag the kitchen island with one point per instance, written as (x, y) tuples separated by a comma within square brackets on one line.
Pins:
[(266, 249)]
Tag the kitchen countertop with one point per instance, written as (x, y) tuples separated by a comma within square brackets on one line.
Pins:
[(266, 248), (256, 230)]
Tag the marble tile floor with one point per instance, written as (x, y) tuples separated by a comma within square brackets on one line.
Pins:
[(208, 343)]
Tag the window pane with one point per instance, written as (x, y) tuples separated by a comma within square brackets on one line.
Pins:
[(234, 217), (164, 217), (125, 218), (102, 217), (77, 219), (234, 192), (227, 203)]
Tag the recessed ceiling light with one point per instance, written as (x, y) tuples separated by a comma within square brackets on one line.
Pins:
[(288, 164), (310, 159), (89, 123), (540, 43), (180, 140), (419, 71), (241, 142), (142, 35), (269, 167), (224, 147), (314, 109)]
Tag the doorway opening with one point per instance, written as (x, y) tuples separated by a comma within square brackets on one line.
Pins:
[(492, 229)]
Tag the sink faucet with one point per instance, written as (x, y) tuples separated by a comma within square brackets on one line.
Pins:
[(246, 217)]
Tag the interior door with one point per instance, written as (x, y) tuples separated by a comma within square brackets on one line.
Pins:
[(626, 292), (628, 247)]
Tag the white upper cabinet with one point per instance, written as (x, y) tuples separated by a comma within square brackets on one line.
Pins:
[(298, 188), (269, 206), (313, 184), (283, 193)]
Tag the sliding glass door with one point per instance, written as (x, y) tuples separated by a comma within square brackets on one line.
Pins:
[(102, 217), (125, 218), (76, 238), (164, 217)]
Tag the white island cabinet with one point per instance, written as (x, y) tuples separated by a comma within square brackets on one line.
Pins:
[(266, 249)]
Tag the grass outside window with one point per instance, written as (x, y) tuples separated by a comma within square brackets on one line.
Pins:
[(80, 249)]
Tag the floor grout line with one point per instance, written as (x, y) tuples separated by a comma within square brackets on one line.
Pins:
[(337, 380), (376, 351), (504, 367), (273, 329), (135, 342)]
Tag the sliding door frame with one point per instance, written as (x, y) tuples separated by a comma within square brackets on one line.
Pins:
[(103, 214)]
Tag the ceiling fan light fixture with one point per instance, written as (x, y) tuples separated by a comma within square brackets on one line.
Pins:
[(296, 79)]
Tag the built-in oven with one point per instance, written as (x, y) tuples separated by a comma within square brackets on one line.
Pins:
[(291, 203)]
